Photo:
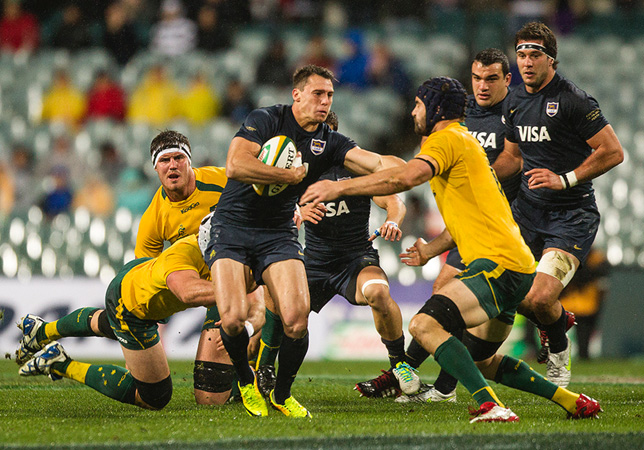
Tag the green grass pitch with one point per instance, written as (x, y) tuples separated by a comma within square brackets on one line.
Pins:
[(37, 412)]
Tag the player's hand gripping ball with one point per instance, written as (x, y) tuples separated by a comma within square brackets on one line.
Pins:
[(278, 151)]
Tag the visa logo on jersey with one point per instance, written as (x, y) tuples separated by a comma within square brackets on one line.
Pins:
[(333, 209), (533, 134), (486, 140)]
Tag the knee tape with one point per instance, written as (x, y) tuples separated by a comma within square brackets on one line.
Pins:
[(479, 348), (445, 312), (104, 326), (213, 377), (157, 395), (373, 281), (559, 265)]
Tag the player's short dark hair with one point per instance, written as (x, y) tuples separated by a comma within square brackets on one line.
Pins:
[(167, 139), (332, 120), (491, 56), (538, 31), (302, 75)]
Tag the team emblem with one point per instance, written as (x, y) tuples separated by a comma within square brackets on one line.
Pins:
[(552, 108), (317, 146)]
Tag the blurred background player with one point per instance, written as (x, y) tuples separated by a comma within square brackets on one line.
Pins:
[(146, 292), (557, 133), (481, 301)]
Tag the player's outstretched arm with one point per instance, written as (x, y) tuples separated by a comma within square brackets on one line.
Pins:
[(382, 182), (509, 162), (422, 251), (190, 289), (242, 165), (396, 210)]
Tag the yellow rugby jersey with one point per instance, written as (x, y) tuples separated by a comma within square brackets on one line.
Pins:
[(170, 221), (144, 291), (470, 199)]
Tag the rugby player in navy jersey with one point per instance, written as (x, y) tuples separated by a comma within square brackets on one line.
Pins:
[(252, 235), (557, 133)]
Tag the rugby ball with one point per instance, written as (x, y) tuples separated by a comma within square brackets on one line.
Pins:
[(278, 151)]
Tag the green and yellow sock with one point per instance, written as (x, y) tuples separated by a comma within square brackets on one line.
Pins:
[(517, 374), (452, 356), (112, 381), (269, 344), (77, 323)]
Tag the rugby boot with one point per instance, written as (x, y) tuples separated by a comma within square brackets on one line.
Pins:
[(384, 385), (491, 412), (42, 361), (407, 379), (587, 408), (290, 407), (428, 394)]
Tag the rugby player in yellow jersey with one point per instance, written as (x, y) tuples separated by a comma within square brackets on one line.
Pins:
[(185, 196), (482, 300), (146, 292)]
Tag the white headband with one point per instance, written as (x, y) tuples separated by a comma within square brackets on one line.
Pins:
[(533, 46), (180, 148)]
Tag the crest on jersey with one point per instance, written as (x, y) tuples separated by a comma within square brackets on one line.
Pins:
[(552, 108), (317, 146)]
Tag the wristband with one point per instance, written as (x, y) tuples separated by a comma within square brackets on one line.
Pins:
[(564, 182), (249, 328), (571, 178)]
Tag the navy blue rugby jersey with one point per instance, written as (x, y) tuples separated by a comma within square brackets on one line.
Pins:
[(551, 128), (321, 149), (345, 228), (486, 125)]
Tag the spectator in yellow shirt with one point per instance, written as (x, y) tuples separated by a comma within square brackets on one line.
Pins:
[(199, 103), (63, 102), (156, 100)]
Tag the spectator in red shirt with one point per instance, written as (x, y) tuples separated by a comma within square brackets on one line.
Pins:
[(106, 99), (19, 31)]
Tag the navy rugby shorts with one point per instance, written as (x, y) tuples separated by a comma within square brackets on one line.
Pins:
[(327, 278), (256, 248), (570, 230)]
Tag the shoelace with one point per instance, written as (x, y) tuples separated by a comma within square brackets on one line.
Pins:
[(406, 372)]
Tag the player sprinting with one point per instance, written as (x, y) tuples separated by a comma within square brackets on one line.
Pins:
[(254, 233), (499, 266), (146, 292), (559, 135)]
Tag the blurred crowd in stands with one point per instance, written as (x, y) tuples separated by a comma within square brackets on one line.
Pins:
[(172, 27)]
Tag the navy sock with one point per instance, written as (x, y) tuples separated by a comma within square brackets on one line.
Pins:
[(236, 346), (416, 354), (395, 350), (291, 356), (557, 333)]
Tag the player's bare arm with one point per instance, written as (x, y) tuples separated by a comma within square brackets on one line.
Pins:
[(242, 165), (509, 162), (396, 210), (362, 162), (190, 289), (607, 154), (422, 251), (383, 182)]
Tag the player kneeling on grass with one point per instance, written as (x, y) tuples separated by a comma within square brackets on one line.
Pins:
[(481, 301), (146, 292)]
